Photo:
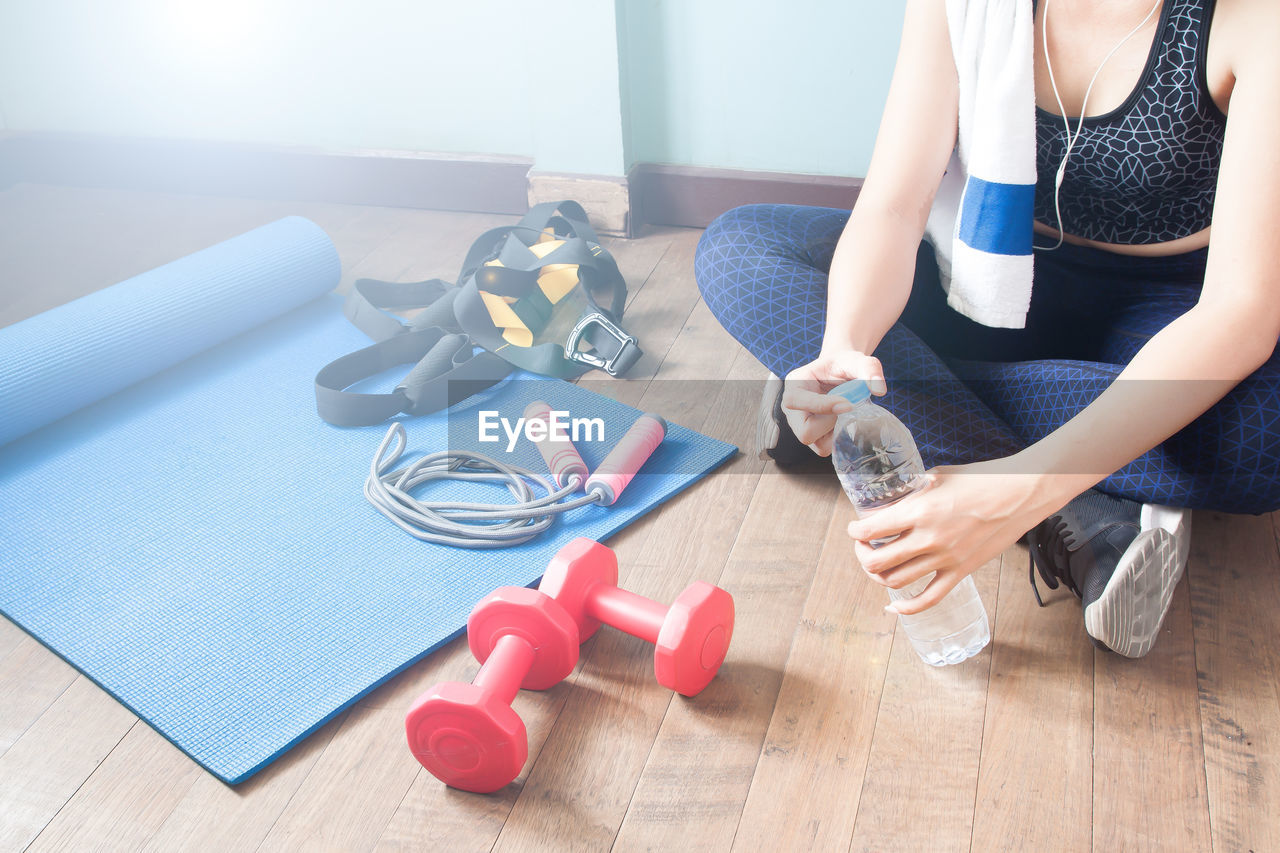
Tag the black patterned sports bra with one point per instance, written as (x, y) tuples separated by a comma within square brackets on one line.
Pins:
[(1147, 171)]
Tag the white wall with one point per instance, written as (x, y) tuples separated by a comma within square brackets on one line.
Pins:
[(793, 86)]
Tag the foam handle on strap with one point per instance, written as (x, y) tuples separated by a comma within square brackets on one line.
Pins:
[(562, 458), (437, 361), (60, 361), (622, 463)]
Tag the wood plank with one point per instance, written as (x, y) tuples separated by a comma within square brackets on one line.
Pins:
[(928, 738), (126, 799), (10, 636), (1035, 782), (53, 758), (1148, 767), (215, 816), (436, 242), (637, 258), (351, 790), (1235, 599), (821, 728), (656, 316), (31, 679), (413, 238)]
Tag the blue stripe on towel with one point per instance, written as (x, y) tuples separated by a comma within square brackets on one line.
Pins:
[(996, 218)]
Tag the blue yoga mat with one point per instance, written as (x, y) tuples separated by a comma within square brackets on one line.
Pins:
[(179, 524)]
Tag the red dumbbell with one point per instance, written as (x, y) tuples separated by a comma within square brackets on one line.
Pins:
[(467, 735), (690, 638)]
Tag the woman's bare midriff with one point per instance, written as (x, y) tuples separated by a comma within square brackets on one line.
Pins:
[(1152, 250)]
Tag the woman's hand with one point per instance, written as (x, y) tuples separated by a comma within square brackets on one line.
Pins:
[(966, 516), (810, 413)]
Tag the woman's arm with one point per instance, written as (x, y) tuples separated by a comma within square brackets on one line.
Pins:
[(1232, 330), (1184, 369), (874, 262)]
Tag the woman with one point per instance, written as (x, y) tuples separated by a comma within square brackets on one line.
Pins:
[(1147, 364)]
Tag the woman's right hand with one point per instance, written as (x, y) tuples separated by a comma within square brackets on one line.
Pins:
[(810, 413)]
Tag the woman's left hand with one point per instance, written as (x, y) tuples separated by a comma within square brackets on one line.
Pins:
[(966, 516)]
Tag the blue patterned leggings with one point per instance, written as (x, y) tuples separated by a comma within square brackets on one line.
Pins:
[(969, 392)]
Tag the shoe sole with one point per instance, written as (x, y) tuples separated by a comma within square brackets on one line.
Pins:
[(767, 430), (1126, 618)]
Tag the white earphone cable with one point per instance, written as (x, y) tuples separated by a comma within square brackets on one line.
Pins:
[(1062, 110)]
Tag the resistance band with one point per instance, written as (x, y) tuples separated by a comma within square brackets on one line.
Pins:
[(479, 525)]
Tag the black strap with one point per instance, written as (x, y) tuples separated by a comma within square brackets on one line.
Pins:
[(599, 277), (445, 369), (438, 341), (446, 372)]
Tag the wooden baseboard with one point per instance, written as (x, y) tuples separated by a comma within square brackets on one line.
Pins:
[(693, 196), (606, 199), (652, 194), (389, 178)]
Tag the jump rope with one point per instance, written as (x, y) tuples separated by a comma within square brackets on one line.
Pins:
[(463, 524)]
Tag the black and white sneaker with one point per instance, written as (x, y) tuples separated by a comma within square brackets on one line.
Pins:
[(774, 438), (1123, 560)]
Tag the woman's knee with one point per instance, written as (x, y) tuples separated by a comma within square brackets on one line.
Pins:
[(784, 231), (734, 238), (760, 241), (731, 248), (1235, 449)]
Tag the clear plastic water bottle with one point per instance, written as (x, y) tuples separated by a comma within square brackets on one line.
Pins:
[(878, 464)]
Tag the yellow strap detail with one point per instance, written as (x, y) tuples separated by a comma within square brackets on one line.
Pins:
[(556, 281), (513, 329)]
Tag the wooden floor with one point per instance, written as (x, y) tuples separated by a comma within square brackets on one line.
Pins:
[(823, 730)]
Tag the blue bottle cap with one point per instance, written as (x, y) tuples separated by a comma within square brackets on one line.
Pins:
[(855, 391)]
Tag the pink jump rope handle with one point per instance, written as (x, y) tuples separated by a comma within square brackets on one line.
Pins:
[(561, 456), (622, 463)]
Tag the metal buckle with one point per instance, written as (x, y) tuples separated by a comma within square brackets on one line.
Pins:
[(609, 365)]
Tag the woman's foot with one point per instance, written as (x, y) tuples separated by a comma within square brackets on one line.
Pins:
[(774, 438), (1122, 558)]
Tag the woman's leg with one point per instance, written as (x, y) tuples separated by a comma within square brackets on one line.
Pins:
[(762, 270), (1228, 459)]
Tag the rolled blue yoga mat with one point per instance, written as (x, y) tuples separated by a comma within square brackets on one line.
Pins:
[(60, 361), (178, 523)]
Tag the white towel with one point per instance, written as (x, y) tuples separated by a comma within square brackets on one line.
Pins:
[(980, 224)]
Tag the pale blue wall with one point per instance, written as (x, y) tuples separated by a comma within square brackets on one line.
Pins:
[(592, 88), (758, 84)]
